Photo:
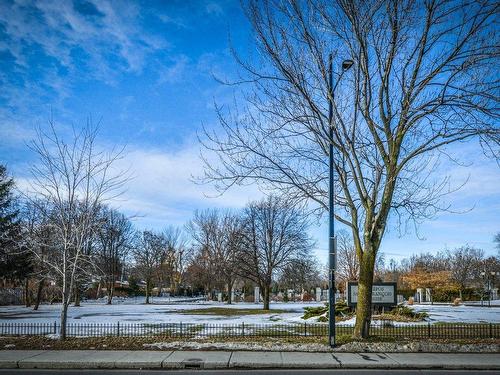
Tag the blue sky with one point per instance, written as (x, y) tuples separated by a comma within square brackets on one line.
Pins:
[(145, 70)]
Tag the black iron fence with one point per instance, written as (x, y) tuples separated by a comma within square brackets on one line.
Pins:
[(195, 330)]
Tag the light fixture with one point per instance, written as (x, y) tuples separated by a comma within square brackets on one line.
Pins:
[(346, 64)]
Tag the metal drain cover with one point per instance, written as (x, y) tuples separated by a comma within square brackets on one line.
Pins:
[(193, 363)]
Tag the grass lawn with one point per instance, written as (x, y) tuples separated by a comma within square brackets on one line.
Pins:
[(230, 312)]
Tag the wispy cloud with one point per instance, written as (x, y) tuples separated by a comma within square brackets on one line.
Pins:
[(49, 45)]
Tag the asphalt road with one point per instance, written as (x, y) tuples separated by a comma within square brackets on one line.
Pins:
[(249, 372)]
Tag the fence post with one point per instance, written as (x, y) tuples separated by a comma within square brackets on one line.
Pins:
[(243, 329), (118, 329), (55, 327), (491, 330), (429, 329), (181, 329), (305, 329)]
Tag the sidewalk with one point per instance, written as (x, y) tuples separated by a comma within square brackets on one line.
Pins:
[(126, 359)]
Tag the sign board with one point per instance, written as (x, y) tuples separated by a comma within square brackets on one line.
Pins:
[(383, 294)]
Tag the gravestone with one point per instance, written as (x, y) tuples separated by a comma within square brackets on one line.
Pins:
[(337, 297), (219, 297), (494, 293), (232, 295), (256, 293), (325, 295), (400, 298), (419, 296), (318, 294), (428, 295)]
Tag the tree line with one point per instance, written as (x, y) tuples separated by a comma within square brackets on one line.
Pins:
[(62, 231), (462, 272)]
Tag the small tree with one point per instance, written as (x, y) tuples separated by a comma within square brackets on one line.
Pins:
[(148, 254), (73, 179), (465, 265), (177, 256), (114, 239), (274, 234)]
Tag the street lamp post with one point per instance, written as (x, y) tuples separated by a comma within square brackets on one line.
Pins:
[(332, 245)]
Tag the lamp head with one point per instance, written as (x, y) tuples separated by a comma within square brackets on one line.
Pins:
[(346, 64)]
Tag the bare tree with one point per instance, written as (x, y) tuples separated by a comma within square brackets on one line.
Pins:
[(465, 265), (301, 274), (148, 254), (114, 239), (274, 235), (347, 260), (177, 256), (425, 77), (496, 240), (74, 178), (39, 237), (217, 239)]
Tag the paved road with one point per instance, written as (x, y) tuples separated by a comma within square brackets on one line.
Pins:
[(249, 372)]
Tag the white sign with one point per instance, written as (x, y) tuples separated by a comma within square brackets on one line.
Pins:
[(381, 294)]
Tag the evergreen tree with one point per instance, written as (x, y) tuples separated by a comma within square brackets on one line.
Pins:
[(14, 265)]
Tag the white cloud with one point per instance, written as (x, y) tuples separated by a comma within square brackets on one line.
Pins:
[(175, 72), (162, 191)]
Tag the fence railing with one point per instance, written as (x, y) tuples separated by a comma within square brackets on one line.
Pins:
[(195, 330)]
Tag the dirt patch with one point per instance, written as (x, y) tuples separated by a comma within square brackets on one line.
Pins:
[(224, 311), (308, 344)]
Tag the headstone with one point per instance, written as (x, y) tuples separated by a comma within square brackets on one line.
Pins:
[(337, 297), (428, 295), (289, 293), (400, 298), (419, 296), (494, 293), (219, 297), (318, 294), (256, 293), (325, 295), (232, 295)]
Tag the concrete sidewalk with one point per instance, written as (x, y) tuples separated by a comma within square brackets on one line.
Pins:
[(125, 359)]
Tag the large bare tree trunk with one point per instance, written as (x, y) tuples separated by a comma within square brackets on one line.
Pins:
[(364, 305), (98, 290), (64, 318), (110, 293), (229, 291), (77, 296), (266, 296), (148, 284), (39, 294)]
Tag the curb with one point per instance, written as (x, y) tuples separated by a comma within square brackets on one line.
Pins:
[(114, 359)]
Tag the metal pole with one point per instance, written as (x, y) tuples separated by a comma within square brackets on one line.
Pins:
[(331, 244)]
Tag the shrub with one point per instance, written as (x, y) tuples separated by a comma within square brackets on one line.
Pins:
[(457, 302), (406, 312), (341, 309), (411, 301)]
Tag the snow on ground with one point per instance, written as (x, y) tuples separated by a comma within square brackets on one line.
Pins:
[(135, 312), (461, 314), (167, 310)]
